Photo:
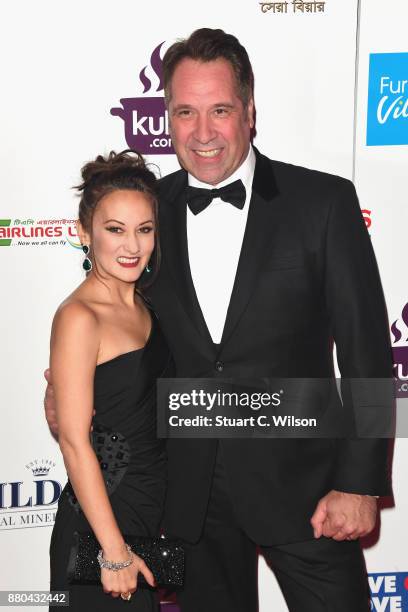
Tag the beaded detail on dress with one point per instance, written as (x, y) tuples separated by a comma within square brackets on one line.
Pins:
[(113, 453)]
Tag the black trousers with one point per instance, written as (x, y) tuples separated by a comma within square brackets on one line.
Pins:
[(221, 568)]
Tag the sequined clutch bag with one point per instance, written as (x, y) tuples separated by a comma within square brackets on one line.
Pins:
[(165, 559)]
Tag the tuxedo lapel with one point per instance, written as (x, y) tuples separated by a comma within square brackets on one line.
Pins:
[(173, 228), (261, 222)]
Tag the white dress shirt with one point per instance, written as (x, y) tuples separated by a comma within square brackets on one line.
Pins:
[(214, 244)]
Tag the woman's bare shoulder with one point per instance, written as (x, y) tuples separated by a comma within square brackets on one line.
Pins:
[(76, 317)]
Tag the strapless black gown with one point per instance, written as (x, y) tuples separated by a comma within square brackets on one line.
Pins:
[(133, 463)]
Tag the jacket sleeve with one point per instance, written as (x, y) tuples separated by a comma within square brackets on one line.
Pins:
[(359, 326)]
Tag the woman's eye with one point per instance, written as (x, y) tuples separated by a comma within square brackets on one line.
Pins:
[(114, 230), (146, 230)]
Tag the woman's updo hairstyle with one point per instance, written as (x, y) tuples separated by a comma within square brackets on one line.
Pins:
[(119, 171)]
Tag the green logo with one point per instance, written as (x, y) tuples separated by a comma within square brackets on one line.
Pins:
[(5, 241)]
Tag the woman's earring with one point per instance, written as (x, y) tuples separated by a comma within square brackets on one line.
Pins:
[(148, 269), (87, 263)]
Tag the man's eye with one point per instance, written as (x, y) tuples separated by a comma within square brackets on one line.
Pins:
[(221, 111), (184, 112), (114, 230)]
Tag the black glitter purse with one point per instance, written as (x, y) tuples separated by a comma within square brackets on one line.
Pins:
[(164, 558)]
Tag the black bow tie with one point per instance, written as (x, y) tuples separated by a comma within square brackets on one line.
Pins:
[(198, 199)]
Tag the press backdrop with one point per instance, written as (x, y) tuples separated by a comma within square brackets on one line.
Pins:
[(82, 78)]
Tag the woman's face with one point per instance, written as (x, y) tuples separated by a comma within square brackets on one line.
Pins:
[(123, 234)]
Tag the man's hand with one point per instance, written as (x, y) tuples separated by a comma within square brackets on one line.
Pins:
[(49, 405), (344, 516)]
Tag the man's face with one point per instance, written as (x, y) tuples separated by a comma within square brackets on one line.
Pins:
[(209, 126)]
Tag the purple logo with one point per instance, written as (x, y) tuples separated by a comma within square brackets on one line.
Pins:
[(399, 330), (146, 119)]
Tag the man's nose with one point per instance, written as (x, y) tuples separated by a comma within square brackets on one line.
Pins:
[(204, 131)]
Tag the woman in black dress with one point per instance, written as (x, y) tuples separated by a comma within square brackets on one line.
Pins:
[(106, 353)]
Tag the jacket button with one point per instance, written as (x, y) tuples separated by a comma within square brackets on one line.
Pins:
[(219, 366)]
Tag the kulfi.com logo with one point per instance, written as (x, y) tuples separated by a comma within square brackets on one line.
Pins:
[(38, 233), (387, 113), (399, 330), (145, 118)]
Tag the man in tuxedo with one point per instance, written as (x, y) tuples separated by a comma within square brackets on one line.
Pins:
[(258, 287), (264, 264)]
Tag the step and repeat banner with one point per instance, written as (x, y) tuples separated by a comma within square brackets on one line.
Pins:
[(381, 170), (81, 79)]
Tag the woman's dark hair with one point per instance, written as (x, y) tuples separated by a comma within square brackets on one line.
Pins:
[(206, 45), (119, 171)]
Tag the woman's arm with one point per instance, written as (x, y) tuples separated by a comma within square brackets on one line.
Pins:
[(75, 343), (74, 350)]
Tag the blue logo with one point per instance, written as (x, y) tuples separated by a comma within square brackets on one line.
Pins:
[(387, 114), (389, 592)]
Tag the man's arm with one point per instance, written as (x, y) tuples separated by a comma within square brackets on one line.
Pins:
[(49, 405), (359, 324)]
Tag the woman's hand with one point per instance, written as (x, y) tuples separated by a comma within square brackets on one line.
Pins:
[(124, 581)]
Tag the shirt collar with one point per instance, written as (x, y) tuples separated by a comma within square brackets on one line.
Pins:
[(245, 172)]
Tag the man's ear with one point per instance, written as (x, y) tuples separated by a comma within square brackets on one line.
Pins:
[(251, 113), (84, 237)]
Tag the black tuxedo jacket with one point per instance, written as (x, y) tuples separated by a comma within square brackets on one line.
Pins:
[(306, 275)]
